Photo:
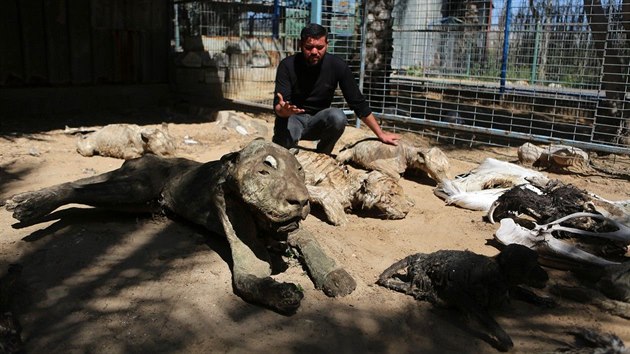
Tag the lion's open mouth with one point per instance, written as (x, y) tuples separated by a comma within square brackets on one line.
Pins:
[(294, 225), (278, 226)]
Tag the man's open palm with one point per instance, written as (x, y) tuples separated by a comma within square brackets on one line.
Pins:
[(286, 109)]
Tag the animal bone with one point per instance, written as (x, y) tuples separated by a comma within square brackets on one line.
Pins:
[(560, 210), (551, 199), (126, 141), (255, 192), (614, 210), (394, 160), (338, 189), (540, 238)]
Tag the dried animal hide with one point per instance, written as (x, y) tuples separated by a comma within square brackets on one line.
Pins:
[(479, 188)]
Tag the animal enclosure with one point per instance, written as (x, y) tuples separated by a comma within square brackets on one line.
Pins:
[(494, 72)]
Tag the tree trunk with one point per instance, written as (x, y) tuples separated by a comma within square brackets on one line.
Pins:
[(611, 111)]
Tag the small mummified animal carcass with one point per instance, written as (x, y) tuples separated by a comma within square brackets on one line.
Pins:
[(394, 160), (553, 156), (470, 282), (563, 222), (127, 141), (252, 196), (338, 189), (480, 187)]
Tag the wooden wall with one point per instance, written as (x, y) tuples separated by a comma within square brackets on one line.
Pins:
[(83, 42)]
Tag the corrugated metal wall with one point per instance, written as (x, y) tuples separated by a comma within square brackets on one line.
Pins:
[(79, 42)]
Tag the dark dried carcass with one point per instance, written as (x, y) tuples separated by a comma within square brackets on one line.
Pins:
[(470, 282), (563, 222)]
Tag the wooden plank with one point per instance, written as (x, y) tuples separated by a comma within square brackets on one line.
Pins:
[(121, 41), (101, 14), (11, 59), (80, 41), (145, 57), (58, 51), (102, 38), (102, 56), (139, 15), (34, 41), (160, 41)]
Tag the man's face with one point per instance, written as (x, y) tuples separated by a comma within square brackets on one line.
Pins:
[(314, 49)]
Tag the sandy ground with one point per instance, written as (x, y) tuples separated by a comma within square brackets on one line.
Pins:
[(102, 282)]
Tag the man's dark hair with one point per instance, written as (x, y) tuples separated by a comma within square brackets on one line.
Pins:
[(313, 30)]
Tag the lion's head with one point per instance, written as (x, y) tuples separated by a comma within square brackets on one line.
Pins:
[(270, 181), (383, 194)]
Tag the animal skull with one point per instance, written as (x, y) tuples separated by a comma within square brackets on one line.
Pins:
[(540, 238)]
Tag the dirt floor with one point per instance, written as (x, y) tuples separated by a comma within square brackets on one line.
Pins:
[(103, 282)]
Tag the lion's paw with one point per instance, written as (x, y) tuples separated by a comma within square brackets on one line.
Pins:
[(284, 298), (31, 205)]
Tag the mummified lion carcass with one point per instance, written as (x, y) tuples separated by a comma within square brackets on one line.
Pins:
[(338, 189), (470, 282), (394, 160), (127, 141), (252, 195)]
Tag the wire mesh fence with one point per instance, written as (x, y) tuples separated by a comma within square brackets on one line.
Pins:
[(498, 71), (244, 41)]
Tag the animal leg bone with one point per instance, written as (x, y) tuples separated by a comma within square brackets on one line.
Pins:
[(622, 234), (330, 202), (326, 274), (541, 240)]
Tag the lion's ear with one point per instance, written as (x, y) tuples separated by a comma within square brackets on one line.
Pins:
[(230, 158)]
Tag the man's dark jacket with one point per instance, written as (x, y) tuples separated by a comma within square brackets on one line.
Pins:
[(312, 88)]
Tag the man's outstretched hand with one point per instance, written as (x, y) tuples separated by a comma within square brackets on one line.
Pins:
[(383, 136), (285, 109), (389, 138)]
